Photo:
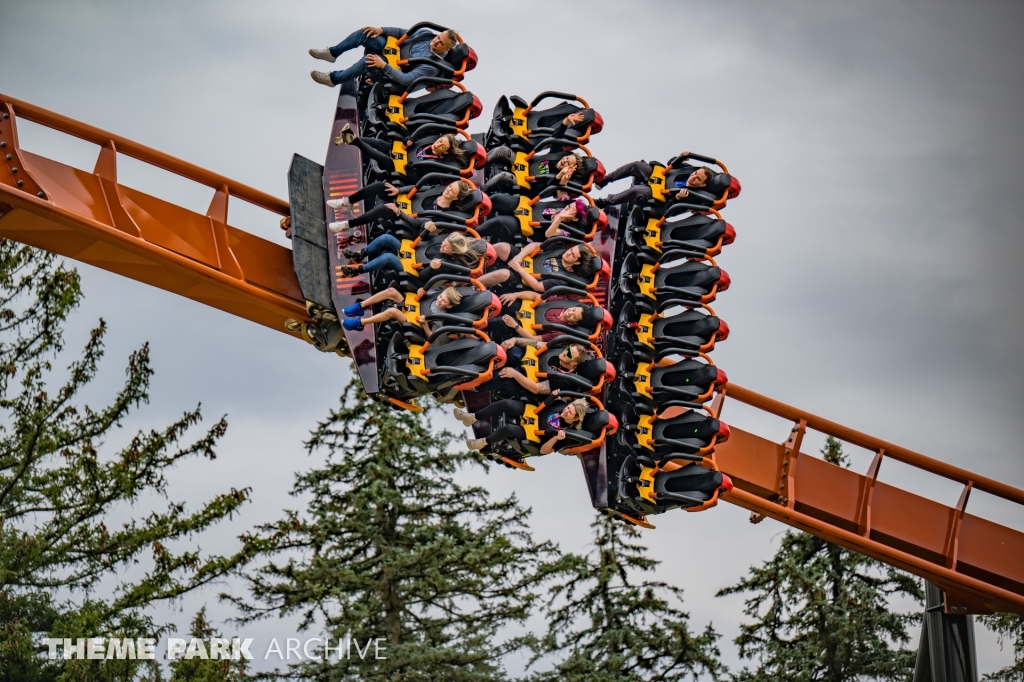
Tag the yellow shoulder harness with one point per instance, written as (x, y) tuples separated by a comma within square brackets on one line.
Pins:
[(646, 281), (400, 155), (657, 183), (519, 122), (411, 308), (392, 53), (531, 423), (524, 214), (407, 254)]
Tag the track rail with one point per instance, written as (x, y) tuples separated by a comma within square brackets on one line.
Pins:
[(978, 564), (92, 218)]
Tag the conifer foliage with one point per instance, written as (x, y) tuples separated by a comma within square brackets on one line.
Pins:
[(58, 491), (391, 546), (200, 668), (1010, 628), (609, 624), (821, 612)]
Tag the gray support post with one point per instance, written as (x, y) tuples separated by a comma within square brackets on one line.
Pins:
[(947, 652)]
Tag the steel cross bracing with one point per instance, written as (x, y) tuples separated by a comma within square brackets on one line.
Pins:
[(91, 218)]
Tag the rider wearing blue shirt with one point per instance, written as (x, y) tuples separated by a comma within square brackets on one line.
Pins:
[(424, 43)]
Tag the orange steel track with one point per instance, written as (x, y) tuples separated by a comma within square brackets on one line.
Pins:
[(90, 218)]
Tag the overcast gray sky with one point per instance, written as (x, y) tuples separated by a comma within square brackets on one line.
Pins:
[(876, 273)]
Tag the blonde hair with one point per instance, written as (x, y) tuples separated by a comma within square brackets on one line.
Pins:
[(581, 405), (453, 294), (466, 250)]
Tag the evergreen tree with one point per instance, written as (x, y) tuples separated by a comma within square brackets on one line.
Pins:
[(1009, 626), (613, 628), (57, 542), (199, 669), (393, 547), (821, 612)]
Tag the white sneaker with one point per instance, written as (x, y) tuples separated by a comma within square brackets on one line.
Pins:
[(322, 77), (339, 227), (464, 417), (322, 53), (475, 443), (339, 203)]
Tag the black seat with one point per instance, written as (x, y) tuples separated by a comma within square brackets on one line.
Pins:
[(398, 113), (714, 194), (409, 170), (467, 211), (691, 435), (462, 58), (476, 307), (689, 383), (462, 363), (646, 490), (689, 332), (688, 283), (554, 248), (595, 318), (521, 126), (590, 375), (597, 424), (416, 255), (535, 172), (695, 236)]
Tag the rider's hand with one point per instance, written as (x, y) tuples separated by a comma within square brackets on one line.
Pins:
[(556, 391), (429, 226), (507, 345), (508, 299), (435, 264), (375, 61), (561, 435), (421, 319), (509, 321), (573, 119), (372, 31), (390, 189), (507, 372), (683, 193), (394, 208)]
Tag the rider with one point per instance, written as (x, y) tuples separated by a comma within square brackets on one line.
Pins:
[(566, 363), (445, 301), (422, 43), (446, 146), (578, 259), (641, 171), (454, 192), (456, 248), (569, 417)]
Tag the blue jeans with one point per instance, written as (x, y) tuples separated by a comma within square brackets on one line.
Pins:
[(357, 39), (381, 254)]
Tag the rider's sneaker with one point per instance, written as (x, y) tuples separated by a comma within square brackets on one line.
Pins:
[(322, 77), (464, 417), (322, 53)]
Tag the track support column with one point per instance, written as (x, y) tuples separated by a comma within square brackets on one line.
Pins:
[(946, 652)]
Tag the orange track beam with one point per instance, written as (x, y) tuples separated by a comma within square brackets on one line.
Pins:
[(91, 218), (979, 564)]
